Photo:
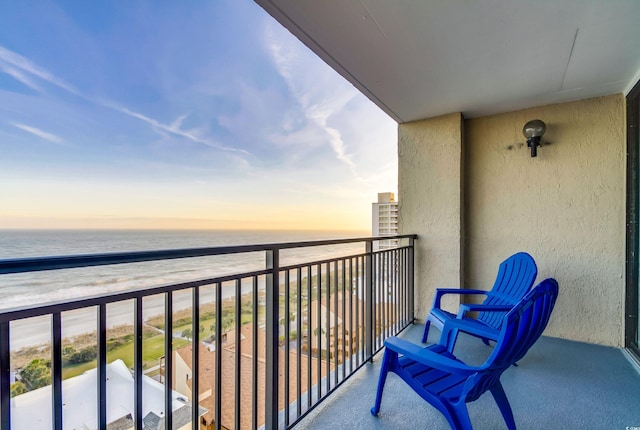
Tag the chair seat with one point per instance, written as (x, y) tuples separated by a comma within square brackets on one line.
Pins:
[(437, 382)]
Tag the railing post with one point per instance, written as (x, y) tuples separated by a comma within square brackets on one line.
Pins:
[(411, 283), (168, 360), (5, 384), (101, 361), (273, 321), (56, 370), (368, 300)]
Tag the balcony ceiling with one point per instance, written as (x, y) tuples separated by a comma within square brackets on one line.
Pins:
[(423, 58)]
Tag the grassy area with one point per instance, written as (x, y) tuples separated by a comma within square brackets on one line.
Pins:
[(152, 350)]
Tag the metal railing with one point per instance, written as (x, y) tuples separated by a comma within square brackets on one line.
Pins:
[(281, 339)]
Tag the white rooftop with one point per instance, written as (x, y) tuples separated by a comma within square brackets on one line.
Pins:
[(33, 410)]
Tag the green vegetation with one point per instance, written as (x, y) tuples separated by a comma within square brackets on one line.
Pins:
[(79, 354), (152, 350), (36, 374), (18, 388)]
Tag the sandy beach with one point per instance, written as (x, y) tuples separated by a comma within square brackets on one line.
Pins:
[(37, 331)]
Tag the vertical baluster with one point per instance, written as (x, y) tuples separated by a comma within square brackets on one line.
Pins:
[(358, 303), (380, 325), (102, 366), (388, 294), (5, 381), (396, 286), (309, 338), (402, 285), (351, 315), (56, 369), (344, 315), (327, 325), (195, 358), (410, 270), (384, 294), (318, 333), (168, 359), (254, 355), (407, 303), (238, 364), (285, 319), (369, 303), (299, 341), (137, 363), (272, 364), (218, 365), (335, 323), (384, 297), (392, 293)]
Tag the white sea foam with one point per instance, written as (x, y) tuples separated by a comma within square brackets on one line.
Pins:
[(27, 289)]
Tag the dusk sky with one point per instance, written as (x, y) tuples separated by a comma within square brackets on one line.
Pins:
[(163, 114)]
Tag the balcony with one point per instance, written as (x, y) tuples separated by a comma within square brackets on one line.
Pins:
[(559, 384), (343, 307), (272, 343)]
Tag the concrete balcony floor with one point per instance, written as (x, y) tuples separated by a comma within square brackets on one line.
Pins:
[(559, 384)]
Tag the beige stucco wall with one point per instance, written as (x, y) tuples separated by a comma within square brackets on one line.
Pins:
[(566, 208), (430, 205)]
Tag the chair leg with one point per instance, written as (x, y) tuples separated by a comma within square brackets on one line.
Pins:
[(388, 357), (426, 331), (460, 416), (503, 403)]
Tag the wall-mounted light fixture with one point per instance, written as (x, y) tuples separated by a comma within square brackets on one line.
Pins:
[(533, 131)]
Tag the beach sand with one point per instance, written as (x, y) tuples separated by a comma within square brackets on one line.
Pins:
[(37, 331)]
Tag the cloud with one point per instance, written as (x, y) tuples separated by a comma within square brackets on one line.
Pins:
[(173, 128), (26, 66), (23, 66), (21, 77), (41, 134), (308, 80)]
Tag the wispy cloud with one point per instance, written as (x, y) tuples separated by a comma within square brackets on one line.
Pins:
[(40, 133), (26, 66), (173, 128), (21, 77), (318, 106), (23, 69)]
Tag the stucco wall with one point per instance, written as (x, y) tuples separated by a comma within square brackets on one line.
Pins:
[(566, 208), (430, 204)]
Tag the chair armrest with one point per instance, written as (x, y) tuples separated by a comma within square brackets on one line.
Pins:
[(475, 328), (443, 291), (469, 307), (427, 357)]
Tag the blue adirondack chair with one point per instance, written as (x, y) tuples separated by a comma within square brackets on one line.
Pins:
[(448, 383), (515, 277)]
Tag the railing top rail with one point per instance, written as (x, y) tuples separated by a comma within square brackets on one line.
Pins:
[(36, 264)]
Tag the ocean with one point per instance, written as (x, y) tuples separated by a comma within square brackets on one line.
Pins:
[(26, 289)]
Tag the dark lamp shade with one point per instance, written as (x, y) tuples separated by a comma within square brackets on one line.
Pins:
[(534, 128)]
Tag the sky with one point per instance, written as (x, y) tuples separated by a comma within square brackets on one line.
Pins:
[(164, 114)]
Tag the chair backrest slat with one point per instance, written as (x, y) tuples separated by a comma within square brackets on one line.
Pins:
[(521, 328), (515, 277)]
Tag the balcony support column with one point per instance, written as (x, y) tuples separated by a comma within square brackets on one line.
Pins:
[(431, 203)]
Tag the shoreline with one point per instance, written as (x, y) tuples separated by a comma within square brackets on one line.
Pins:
[(36, 332)]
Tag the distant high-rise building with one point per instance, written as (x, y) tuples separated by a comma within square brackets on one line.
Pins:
[(385, 220)]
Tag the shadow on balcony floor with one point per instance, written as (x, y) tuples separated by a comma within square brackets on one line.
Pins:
[(558, 385)]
